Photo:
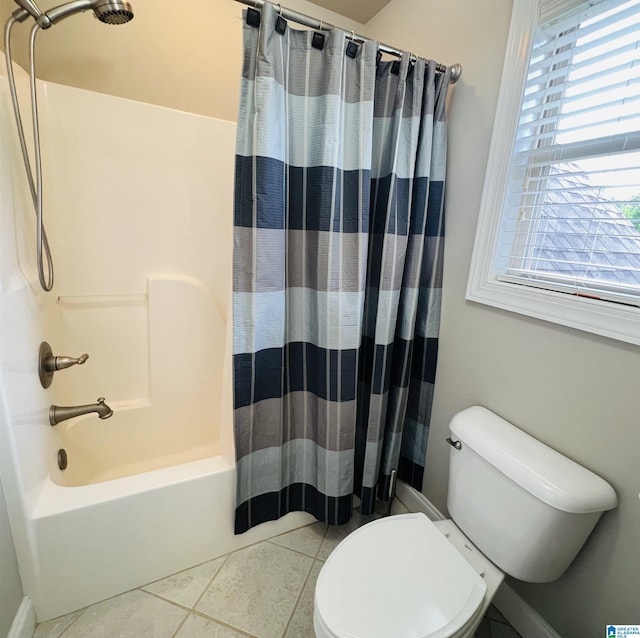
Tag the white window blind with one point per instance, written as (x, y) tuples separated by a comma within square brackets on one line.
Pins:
[(571, 217)]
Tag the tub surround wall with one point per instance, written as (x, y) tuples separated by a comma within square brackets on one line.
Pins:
[(23, 402), (10, 583), (574, 391), (173, 338), (163, 197)]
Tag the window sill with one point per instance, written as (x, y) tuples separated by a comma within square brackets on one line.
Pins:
[(615, 321)]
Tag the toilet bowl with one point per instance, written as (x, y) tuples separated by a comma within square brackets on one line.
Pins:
[(517, 507), (404, 576)]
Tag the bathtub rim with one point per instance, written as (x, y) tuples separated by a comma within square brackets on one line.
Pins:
[(127, 408), (52, 499)]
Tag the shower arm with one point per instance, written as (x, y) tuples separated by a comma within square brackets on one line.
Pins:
[(65, 10), (46, 19), (107, 11), (34, 10)]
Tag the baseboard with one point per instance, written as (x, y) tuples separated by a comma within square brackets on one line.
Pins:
[(523, 618), (24, 623)]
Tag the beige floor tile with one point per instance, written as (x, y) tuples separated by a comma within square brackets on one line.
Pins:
[(301, 625), (257, 589), (397, 507), (336, 533), (185, 588), (198, 627), (306, 539), (135, 614), (54, 628)]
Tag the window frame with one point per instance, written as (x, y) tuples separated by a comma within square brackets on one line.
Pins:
[(613, 320)]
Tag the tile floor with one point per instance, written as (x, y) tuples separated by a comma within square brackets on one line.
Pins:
[(495, 625), (261, 591)]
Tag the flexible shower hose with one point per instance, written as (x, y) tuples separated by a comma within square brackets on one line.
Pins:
[(35, 186)]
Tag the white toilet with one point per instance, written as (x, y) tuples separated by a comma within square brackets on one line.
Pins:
[(526, 508)]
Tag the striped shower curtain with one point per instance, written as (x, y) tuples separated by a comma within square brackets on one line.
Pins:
[(337, 269)]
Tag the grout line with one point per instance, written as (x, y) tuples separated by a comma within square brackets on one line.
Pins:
[(206, 589), (186, 569), (73, 622), (298, 551), (295, 606), (180, 605), (195, 612), (166, 600), (184, 620), (314, 559), (324, 536)]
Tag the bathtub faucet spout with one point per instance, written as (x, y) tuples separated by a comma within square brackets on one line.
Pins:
[(58, 413)]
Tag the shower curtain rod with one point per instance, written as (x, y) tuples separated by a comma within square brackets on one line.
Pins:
[(320, 25)]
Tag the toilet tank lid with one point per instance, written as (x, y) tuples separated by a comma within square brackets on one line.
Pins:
[(546, 474)]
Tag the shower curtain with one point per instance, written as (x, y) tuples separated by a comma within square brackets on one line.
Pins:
[(338, 248)]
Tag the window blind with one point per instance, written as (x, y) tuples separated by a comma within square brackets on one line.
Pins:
[(571, 218)]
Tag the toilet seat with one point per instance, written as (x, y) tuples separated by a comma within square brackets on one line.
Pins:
[(396, 577)]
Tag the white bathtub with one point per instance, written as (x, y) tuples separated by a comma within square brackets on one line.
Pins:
[(95, 541), (149, 491)]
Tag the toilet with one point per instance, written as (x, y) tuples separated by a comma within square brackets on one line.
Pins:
[(517, 507)]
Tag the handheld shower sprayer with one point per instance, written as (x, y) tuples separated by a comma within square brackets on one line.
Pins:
[(108, 12)]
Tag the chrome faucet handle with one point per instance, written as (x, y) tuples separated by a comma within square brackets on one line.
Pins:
[(60, 363), (48, 363)]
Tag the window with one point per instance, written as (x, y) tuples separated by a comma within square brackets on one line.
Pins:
[(559, 231)]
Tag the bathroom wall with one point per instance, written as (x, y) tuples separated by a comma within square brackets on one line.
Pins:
[(10, 584), (575, 391), (185, 54)]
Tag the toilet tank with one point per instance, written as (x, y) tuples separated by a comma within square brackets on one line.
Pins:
[(528, 508)]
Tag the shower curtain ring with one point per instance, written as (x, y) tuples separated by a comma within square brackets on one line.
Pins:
[(321, 23), (279, 9)]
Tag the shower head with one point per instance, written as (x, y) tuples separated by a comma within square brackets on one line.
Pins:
[(107, 11), (112, 11)]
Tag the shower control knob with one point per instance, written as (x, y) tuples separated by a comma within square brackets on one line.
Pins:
[(48, 364), (60, 363)]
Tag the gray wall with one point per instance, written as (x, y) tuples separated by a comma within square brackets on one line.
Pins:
[(10, 585), (575, 391)]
